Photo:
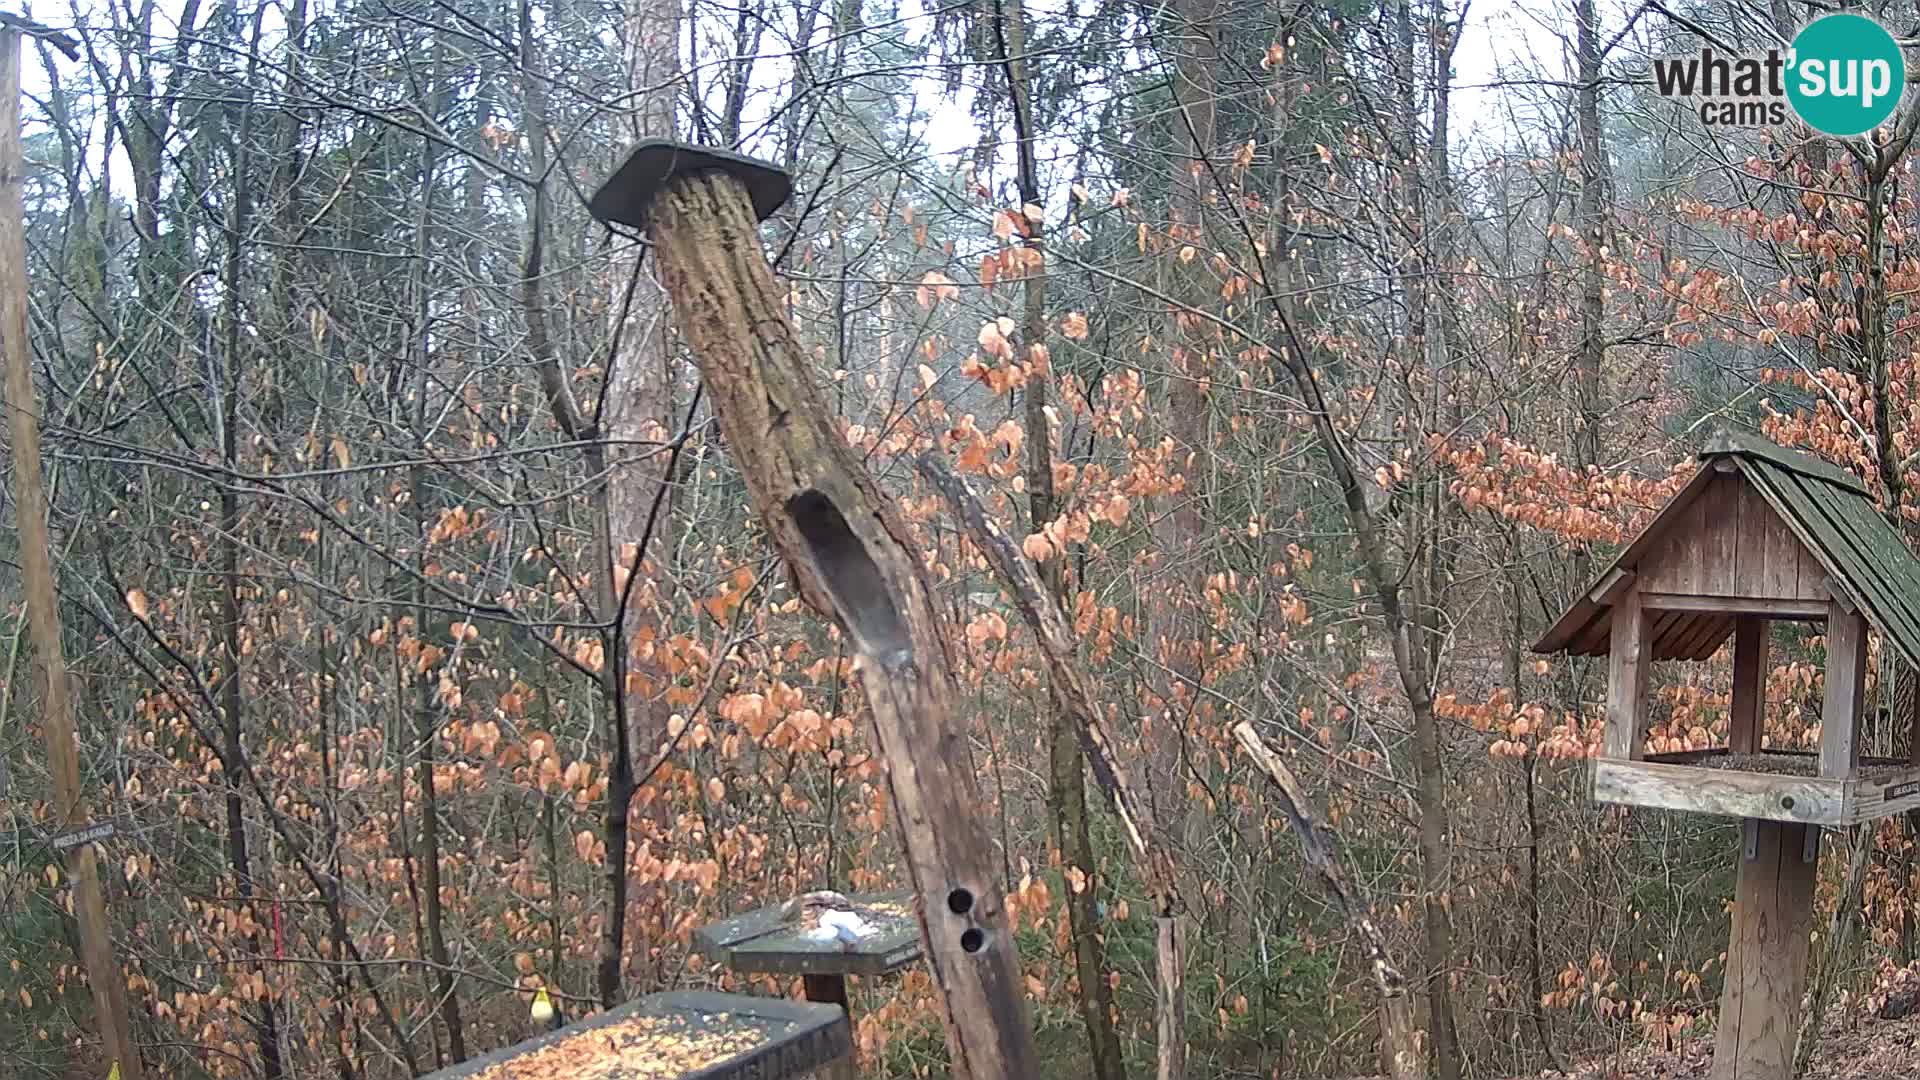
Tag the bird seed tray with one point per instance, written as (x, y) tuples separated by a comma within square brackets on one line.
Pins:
[(683, 1035)]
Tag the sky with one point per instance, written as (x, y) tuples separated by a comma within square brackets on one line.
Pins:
[(1514, 37), (1517, 39)]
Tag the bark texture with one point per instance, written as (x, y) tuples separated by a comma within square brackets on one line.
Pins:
[(853, 557)]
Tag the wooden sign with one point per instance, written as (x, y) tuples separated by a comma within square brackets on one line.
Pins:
[(83, 836)]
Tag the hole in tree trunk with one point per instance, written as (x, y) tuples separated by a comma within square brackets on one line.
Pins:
[(959, 901), (852, 578), (974, 939)]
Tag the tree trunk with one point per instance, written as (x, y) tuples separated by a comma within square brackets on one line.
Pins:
[(1382, 581), (1403, 1056), (427, 708), (635, 534), (851, 554), (346, 1021), (1422, 536), (1067, 795), (556, 383), (69, 810), (1592, 352), (232, 627), (1175, 635)]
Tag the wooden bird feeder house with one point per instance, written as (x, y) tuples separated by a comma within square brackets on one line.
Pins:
[(1759, 534)]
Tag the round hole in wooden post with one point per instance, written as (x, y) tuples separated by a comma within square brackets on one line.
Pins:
[(974, 939), (959, 901)]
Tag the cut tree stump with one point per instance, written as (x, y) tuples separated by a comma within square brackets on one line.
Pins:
[(852, 557)]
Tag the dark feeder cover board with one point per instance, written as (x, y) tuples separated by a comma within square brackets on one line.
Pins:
[(759, 942), (797, 1037)]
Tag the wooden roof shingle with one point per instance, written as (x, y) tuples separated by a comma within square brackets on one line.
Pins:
[(1830, 510)]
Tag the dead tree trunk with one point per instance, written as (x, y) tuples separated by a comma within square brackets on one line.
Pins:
[(1404, 1059), (851, 556), (70, 808), (1075, 693)]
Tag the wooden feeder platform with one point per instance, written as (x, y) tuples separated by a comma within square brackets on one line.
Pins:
[(759, 941), (1771, 785), (683, 1035), (1760, 534), (763, 940)]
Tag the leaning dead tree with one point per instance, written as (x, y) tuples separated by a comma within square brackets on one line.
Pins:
[(852, 558), (1404, 1059), (1055, 637), (1050, 628)]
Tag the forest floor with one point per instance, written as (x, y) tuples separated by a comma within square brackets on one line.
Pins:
[(1849, 1050)]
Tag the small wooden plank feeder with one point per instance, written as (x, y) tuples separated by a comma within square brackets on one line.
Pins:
[(682, 1035), (1760, 533), (763, 940), (768, 941)]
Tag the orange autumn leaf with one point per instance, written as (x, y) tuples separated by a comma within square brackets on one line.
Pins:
[(935, 287)]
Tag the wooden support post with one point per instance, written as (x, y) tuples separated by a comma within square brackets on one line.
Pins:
[(70, 810), (832, 990), (1760, 1006), (853, 557), (1749, 709), (1766, 957), (1846, 691), (1627, 661)]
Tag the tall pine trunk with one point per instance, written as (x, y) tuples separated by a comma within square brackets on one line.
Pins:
[(232, 619), (1067, 796), (427, 706)]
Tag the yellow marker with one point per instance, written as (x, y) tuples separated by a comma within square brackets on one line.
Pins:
[(114, 1073)]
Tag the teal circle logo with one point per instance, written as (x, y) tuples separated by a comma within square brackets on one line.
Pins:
[(1847, 74)]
